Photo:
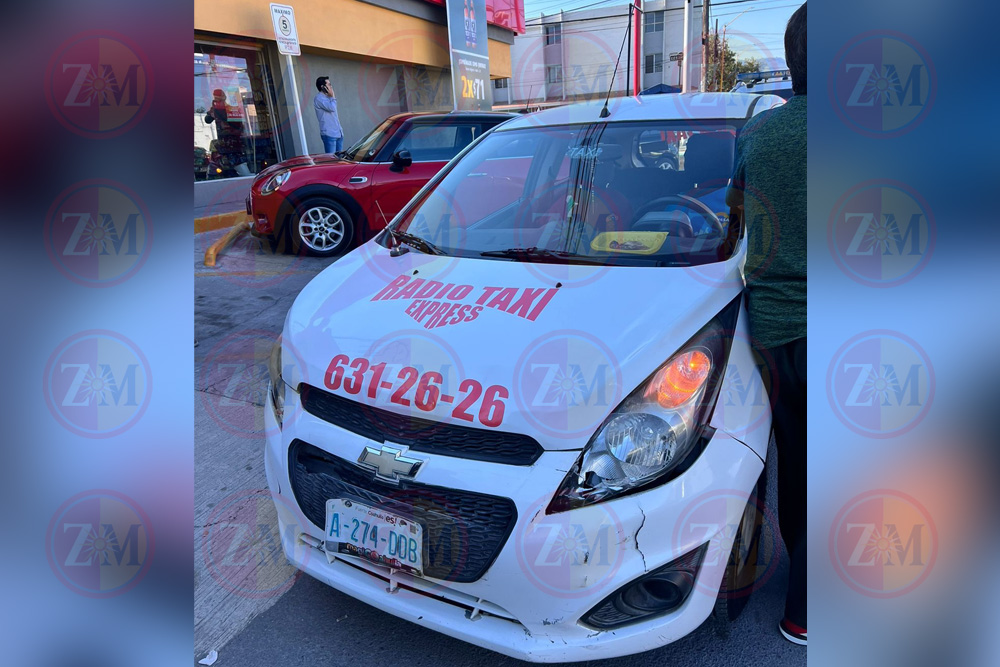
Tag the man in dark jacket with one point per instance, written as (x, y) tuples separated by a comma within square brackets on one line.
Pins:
[(769, 194)]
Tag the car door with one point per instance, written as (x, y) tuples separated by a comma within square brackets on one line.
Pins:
[(431, 143)]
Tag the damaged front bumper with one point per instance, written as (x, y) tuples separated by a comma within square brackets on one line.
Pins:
[(553, 568)]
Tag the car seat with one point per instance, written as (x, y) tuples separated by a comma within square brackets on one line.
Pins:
[(708, 160)]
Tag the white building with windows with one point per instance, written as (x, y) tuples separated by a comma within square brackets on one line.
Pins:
[(570, 56)]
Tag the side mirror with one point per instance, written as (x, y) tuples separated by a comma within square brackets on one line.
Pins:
[(401, 160)]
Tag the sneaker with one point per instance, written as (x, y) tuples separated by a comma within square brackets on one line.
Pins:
[(792, 632)]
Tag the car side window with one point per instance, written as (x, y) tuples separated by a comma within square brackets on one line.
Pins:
[(436, 143)]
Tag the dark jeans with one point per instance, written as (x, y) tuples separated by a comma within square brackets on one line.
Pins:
[(788, 406), (332, 144)]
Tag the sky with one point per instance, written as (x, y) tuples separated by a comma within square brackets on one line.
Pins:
[(764, 20)]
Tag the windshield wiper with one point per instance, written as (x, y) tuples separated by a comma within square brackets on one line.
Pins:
[(543, 254), (421, 244)]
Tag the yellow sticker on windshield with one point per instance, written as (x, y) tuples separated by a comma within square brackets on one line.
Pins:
[(636, 243)]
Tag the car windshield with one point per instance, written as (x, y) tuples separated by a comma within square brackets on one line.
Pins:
[(637, 193), (364, 150)]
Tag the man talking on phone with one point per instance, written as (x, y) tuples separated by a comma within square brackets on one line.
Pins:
[(325, 104)]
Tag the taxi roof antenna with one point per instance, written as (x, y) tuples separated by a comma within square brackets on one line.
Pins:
[(604, 112)]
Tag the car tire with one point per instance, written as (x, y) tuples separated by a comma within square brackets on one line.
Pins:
[(668, 163), (743, 568), (321, 227)]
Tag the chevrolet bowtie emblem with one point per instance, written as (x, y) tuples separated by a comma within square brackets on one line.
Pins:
[(389, 463)]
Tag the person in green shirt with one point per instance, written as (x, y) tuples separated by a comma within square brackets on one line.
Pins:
[(768, 193)]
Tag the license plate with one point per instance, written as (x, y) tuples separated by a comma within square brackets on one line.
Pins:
[(375, 535)]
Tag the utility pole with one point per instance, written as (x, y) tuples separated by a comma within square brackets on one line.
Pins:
[(628, 56), (704, 44), (722, 63), (685, 55)]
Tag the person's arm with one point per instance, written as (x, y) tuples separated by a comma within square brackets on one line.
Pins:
[(326, 103)]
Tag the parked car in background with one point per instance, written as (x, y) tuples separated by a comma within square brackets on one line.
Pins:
[(322, 204), (772, 82)]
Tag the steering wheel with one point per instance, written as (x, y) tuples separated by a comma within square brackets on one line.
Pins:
[(685, 202)]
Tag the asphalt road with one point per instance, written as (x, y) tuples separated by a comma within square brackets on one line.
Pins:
[(241, 305)]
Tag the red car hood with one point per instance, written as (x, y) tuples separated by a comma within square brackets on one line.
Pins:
[(306, 161)]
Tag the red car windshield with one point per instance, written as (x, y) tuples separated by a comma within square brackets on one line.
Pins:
[(365, 149)]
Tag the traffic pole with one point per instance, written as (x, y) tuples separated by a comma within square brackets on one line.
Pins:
[(298, 107), (704, 44)]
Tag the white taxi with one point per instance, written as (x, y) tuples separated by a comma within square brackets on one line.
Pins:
[(528, 414)]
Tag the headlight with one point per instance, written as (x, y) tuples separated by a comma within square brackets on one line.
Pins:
[(658, 426), (275, 182)]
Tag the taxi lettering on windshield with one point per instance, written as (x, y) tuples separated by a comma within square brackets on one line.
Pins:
[(435, 304)]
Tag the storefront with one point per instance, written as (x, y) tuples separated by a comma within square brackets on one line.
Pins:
[(382, 57)]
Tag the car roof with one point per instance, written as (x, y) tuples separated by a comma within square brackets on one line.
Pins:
[(663, 106), (442, 115)]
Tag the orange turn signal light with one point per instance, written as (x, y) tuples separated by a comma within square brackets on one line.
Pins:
[(681, 379)]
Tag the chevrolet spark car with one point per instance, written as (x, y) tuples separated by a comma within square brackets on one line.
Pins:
[(528, 414), (321, 204)]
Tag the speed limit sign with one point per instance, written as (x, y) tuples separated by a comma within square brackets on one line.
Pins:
[(285, 33)]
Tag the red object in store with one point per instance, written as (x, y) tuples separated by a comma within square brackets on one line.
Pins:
[(504, 13)]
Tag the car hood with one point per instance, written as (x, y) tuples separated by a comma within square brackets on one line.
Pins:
[(306, 161), (560, 346)]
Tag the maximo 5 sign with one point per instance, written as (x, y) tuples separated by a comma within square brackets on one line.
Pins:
[(483, 448)]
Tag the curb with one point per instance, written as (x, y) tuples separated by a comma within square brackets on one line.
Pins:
[(219, 221)]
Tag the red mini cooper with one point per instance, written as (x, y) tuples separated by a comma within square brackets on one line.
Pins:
[(321, 204)]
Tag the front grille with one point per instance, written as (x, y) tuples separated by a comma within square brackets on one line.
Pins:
[(463, 531), (421, 435)]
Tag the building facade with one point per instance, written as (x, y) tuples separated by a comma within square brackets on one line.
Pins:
[(570, 56), (382, 57)]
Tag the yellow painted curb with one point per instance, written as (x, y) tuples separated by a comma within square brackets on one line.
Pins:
[(220, 245), (220, 221)]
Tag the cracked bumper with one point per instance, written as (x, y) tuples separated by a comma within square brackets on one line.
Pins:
[(553, 569)]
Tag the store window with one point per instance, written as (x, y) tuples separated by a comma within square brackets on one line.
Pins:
[(234, 122)]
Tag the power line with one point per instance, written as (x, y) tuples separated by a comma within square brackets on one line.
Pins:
[(560, 2)]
